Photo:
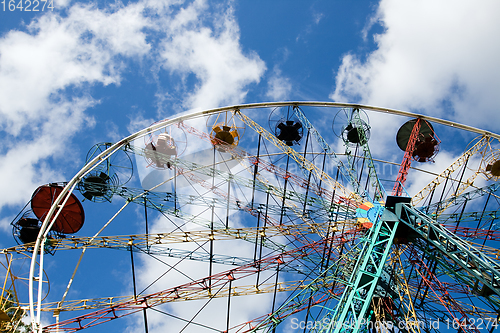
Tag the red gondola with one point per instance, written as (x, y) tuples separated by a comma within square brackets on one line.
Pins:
[(72, 216)]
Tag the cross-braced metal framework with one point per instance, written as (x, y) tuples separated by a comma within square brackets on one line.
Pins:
[(223, 225)]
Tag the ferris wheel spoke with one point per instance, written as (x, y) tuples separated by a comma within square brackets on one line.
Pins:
[(437, 207), (245, 182), (190, 169), (402, 301), (441, 293), (247, 207), (455, 172), (347, 173), (305, 164), (147, 241), (221, 193), (201, 286), (372, 179)]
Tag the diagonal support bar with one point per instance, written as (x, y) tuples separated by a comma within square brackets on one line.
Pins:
[(306, 165), (465, 256), (372, 173), (406, 164), (346, 172), (460, 199), (427, 190)]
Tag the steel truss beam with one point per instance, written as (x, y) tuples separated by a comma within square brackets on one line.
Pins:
[(184, 295), (426, 191), (460, 199), (358, 294), (466, 257), (151, 240)]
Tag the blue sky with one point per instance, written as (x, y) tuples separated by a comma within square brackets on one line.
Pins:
[(90, 72), (100, 82)]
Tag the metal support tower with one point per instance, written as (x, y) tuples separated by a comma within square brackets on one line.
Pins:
[(351, 312)]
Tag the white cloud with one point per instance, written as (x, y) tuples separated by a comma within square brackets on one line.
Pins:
[(24, 165), (212, 54), (279, 85), (430, 53), (122, 31), (54, 53), (316, 17), (58, 4), (243, 308), (138, 122), (58, 52)]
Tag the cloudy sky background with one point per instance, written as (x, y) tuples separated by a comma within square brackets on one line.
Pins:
[(90, 72)]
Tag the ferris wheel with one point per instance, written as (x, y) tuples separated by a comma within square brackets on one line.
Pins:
[(271, 217)]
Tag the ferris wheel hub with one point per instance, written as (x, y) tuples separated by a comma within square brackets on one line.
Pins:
[(289, 131)]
